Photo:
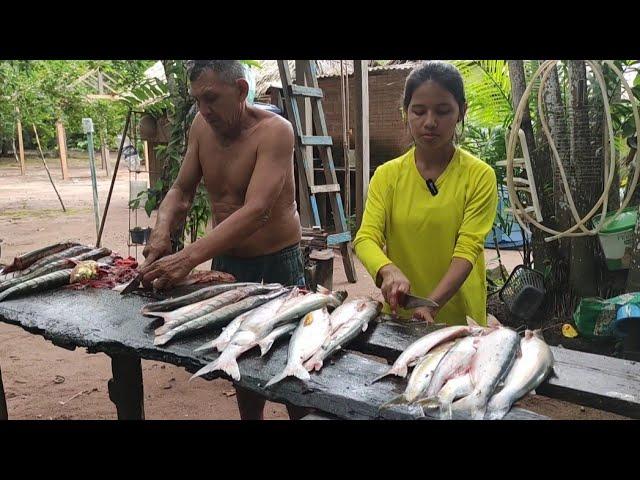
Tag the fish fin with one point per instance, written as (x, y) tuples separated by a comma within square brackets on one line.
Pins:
[(429, 403), (492, 321), (533, 392), (391, 371), (471, 322), (205, 347), (399, 400), (228, 365), (323, 290), (265, 345), (155, 314), (365, 326)]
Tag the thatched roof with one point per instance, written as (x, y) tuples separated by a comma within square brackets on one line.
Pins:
[(269, 75)]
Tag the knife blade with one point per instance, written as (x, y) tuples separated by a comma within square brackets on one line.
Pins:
[(135, 283), (413, 301)]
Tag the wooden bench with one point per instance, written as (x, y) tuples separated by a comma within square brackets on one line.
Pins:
[(103, 321)]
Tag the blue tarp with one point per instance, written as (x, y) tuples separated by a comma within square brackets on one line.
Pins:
[(512, 240)]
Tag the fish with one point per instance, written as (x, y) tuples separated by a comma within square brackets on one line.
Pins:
[(220, 316), (267, 342), (26, 260), (68, 253), (38, 284), (421, 375), (256, 326), (496, 353), (187, 313), (312, 331), (197, 296), (527, 372), (299, 306), (347, 322), (422, 346), (222, 340), (56, 265)]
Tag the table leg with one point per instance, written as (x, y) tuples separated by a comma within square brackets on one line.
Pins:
[(4, 415), (125, 388)]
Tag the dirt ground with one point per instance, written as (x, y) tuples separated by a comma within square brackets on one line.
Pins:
[(43, 381)]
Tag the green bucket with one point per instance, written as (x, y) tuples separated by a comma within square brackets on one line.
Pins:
[(616, 237)]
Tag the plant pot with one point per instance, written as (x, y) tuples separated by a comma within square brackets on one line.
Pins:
[(140, 236)]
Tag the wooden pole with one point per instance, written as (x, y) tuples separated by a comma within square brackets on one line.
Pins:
[(362, 136), (46, 167), (20, 144), (62, 147)]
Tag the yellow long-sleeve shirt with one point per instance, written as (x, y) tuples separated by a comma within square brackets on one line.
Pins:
[(420, 233)]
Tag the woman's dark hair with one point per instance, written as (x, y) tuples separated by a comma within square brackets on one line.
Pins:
[(444, 74)]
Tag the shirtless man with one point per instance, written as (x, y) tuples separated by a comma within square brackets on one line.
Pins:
[(245, 157)]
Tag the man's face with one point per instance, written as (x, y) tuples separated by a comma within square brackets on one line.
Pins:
[(219, 103)]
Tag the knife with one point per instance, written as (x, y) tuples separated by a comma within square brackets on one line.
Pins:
[(135, 283), (412, 301)]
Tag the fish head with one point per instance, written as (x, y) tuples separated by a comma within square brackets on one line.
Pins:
[(337, 297)]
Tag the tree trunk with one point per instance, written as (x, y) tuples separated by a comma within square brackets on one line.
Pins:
[(585, 182), (543, 252)]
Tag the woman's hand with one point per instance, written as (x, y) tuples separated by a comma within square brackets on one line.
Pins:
[(428, 314), (394, 286)]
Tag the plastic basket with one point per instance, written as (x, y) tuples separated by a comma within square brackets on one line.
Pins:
[(523, 292)]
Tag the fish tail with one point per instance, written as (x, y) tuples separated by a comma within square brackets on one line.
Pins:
[(391, 371), (163, 338), (297, 371), (265, 345), (226, 363), (314, 363)]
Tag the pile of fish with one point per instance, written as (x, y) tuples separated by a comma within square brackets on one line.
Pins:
[(257, 315), (46, 268), (472, 371)]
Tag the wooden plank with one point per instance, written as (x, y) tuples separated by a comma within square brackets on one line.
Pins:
[(304, 107), (315, 140), (361, 70), (300, 90), (594, 381), (62, 148), (105, 321), (20, 145), (324, 188), (337, 238)]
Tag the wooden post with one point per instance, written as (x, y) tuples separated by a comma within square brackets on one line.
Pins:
[(145, 150), (362, 136), (62, 147), (104, 156), (304, 107), (125, 388), (20, 145), (4, 415)]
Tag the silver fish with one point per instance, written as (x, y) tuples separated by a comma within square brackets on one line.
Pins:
[(310, 335), (197, 296), (191, 312), (267, 342), (26, 260), (56, 265), (347, 322), (422, 346), (257, 325), (421, 375), (222, 340), (218, 317), (496, 353), (527, 372), (38, 284)]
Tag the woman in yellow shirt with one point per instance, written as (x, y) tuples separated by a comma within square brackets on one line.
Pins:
[(428, 212)]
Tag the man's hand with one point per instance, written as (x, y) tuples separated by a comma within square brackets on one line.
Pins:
[(167, 271), (158, 246), (394, 286)]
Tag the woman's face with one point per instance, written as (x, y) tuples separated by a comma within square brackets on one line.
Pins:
[(432, 115)]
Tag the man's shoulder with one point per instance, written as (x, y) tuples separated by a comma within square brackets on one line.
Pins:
[(271, 123)]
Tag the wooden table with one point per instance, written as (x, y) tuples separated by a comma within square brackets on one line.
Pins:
[(104, 321)]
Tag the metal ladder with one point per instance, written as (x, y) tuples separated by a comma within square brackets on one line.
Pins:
[(323, 142)]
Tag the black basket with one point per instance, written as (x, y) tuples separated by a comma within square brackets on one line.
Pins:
[(523, 292)]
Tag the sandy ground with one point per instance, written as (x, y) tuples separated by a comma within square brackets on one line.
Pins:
[(43, 381)]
